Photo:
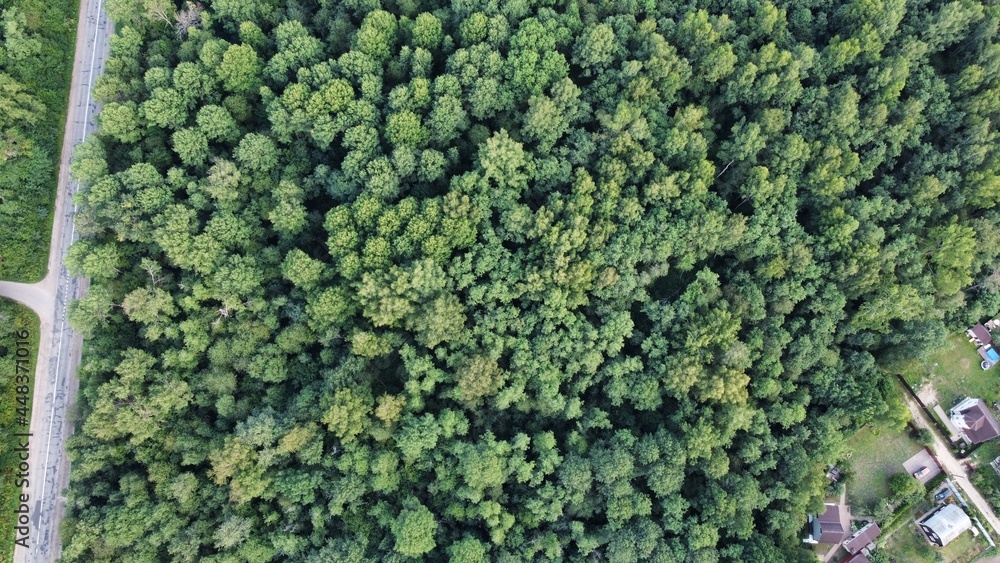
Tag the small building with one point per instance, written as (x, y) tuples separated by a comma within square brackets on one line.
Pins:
[(834, 474), (856, 558), (831, 527), (974, 421), (980, 335), (863, 538), (945, 524)]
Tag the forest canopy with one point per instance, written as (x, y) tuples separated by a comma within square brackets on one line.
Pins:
[(508, 281)]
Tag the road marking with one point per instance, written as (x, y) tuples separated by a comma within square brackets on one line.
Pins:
[(72, 233)]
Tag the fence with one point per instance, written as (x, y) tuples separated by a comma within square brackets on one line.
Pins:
[(938, 425)]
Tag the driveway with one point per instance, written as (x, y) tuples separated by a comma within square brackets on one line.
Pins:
[(922, 459)]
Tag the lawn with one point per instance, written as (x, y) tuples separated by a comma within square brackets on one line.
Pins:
[(908, 544), (13, 319), (985, 478), (986, 453), (954, 372), (876, 454)]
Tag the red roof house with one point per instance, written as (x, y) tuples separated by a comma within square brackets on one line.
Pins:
[(980, 333), (975, 421), (832, 526), (862, 538)]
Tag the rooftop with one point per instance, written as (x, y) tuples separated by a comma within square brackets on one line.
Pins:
[(863, 537), (974, 418), (834, 524), (980, 334), (945, 524)]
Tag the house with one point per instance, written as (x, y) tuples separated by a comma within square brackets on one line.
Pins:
[(831, 527), (862, 538), (980, 335), (974, 421), (856, 558), (945, 524)]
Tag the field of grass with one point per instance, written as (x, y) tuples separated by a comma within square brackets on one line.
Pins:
[(13, 319), (954, 372), (985, 454), (985, 478), (875, 455), (908, 544)]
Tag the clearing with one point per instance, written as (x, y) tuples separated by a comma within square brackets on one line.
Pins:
[(875, 455), (951, 373)]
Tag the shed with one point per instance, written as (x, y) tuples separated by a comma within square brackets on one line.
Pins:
[(945, 524)]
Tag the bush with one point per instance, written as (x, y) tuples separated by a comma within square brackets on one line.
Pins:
[(925, 437), (835, 487), (904, 487), (13, 317)]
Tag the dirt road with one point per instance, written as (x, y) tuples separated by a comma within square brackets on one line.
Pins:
[(59, 347), (954, 467), (35, 296)]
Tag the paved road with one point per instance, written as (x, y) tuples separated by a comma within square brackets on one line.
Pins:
[(36, 296), (953, 466), (59, 347)]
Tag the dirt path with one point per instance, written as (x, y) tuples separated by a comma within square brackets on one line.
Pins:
[(928, 394), (953, 466), (59, 347)]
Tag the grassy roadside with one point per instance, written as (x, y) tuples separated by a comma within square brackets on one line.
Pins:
[(15, 403), (36, 57)]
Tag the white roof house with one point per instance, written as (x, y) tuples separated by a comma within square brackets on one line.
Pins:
[(945, 524)]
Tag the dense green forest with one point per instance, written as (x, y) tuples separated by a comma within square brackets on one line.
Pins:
[(36, 56), (19, 332), (505, 281)]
